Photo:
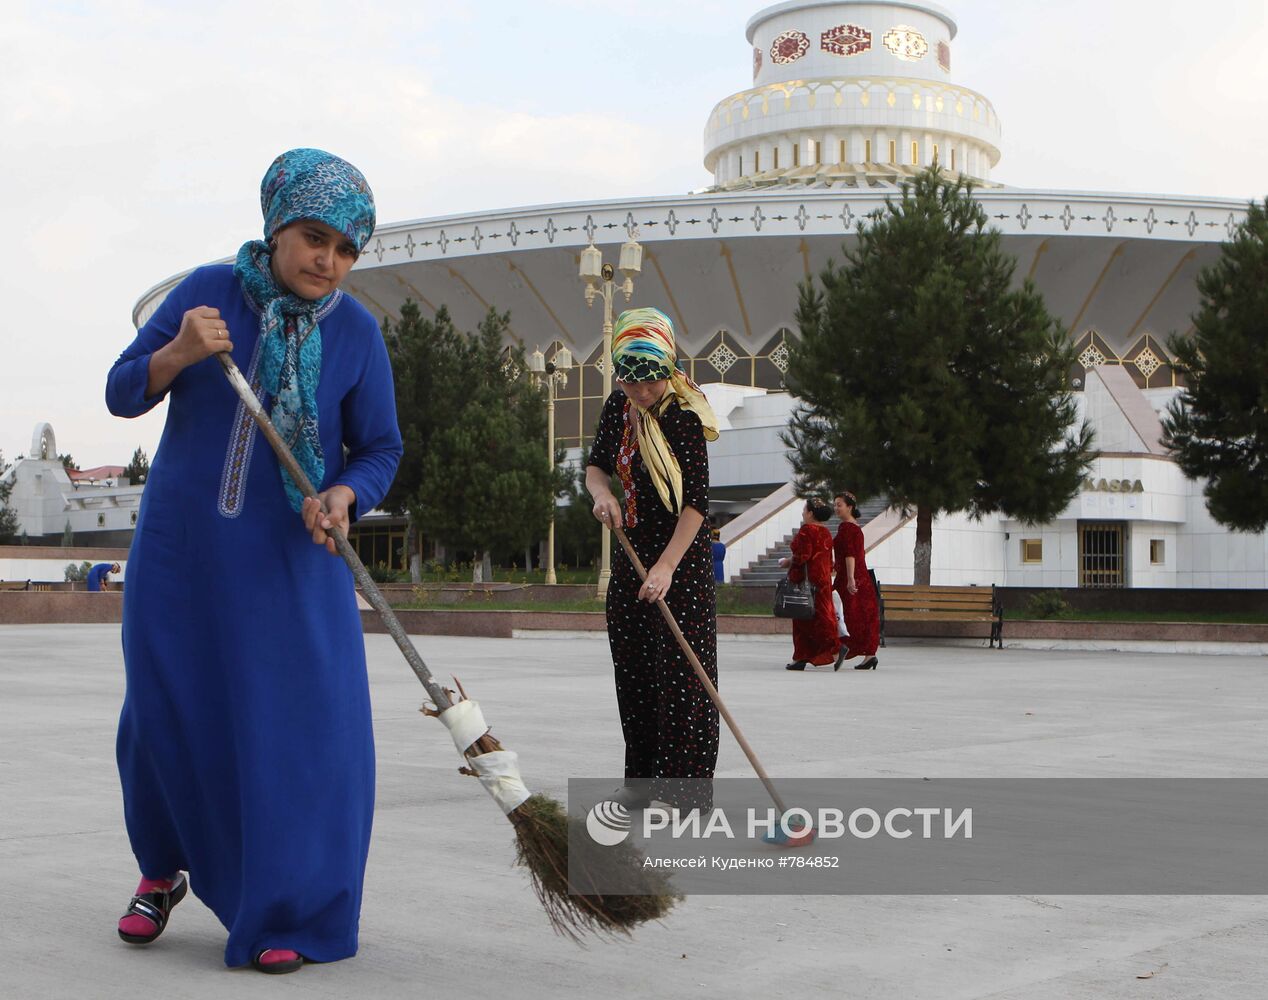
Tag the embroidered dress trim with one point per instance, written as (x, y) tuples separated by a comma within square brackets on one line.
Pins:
[(233, 480), (625, 468)]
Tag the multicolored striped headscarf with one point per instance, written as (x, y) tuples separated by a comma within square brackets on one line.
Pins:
[(643, 350), (300, 184)]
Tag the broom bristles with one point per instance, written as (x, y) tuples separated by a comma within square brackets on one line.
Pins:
[(542, 846)]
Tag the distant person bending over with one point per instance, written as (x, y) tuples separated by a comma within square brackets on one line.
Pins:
[(814, 639), (854, 585), (245, 747), (99, 576), (652, 433)]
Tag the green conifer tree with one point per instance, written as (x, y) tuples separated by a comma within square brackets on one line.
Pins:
[(9, 526), (1218, 428), (924, 376)]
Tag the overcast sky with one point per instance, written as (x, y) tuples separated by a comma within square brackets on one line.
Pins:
[(135, 132)]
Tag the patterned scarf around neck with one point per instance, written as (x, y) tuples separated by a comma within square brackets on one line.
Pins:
[(290, 361)]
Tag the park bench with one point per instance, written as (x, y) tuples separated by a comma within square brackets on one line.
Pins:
[(15, 584), (908, 603)]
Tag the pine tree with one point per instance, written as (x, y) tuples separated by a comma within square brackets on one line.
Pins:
[(68, 462), (1218, 428), (925, 377), (138, 469), (426, 358), (474, 474), (8, 517)]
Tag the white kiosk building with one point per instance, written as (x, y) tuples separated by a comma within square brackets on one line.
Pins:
[(847, 100)]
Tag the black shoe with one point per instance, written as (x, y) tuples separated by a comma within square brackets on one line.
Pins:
[(868, 664), (840, 659), (632, 796), (795, 665)]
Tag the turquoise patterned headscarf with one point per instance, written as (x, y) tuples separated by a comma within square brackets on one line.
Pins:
[(300, 184)]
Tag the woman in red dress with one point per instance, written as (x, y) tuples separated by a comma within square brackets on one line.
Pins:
[(854, 585), (814, 639)]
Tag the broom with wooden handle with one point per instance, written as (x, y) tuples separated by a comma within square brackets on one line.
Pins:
[(704, 680), (541, 823)]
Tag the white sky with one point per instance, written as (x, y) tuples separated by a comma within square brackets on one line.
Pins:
[(134, 132)]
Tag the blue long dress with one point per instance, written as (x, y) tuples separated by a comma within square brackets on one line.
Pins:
[(245, 747)]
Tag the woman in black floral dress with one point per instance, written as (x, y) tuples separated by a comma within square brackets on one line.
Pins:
[(652, 434)]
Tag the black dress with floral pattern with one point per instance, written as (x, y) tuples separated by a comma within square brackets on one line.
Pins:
[(670, 723)]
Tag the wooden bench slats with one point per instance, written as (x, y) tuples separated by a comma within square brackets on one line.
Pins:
[(912, 603), (908, 603)]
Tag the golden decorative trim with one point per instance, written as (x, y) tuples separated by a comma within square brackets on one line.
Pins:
[(471, 288), (741, 100), (1158, 294), (673, 302), (410, 287), (1042, 249), (1074, 326), (739, 295), (364, 296), (568, 337)]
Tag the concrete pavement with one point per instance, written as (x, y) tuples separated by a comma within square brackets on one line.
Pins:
[(447, 915)]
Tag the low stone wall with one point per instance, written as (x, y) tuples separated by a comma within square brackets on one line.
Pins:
[(479, 594), (65, 607), (56, 607)]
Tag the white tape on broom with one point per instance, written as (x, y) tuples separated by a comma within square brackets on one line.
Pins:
[(498, 771), (465, 723)]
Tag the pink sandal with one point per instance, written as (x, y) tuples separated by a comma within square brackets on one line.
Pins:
[(146, 915), (277, 961)]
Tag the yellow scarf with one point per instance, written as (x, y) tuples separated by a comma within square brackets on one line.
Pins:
[(658, 457)]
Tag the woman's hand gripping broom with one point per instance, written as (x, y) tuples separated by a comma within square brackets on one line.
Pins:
[(541, 823)]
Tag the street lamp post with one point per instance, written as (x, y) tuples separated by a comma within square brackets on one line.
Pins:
[(599, 278), (555, 373)]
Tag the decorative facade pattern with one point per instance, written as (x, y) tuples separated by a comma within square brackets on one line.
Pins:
[(845, 40), (1091, 356), (757, 62), (722, 358), (906, 43), (1147, 362), (944, 57), (789, 47)]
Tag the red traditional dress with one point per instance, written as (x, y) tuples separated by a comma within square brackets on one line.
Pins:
[(862, 614), (814, 639)]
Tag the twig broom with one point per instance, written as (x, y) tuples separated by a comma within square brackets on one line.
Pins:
[(541, 823)]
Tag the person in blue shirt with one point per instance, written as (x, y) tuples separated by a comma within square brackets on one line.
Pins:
[(245, 747), (99, 576), (719, 556)]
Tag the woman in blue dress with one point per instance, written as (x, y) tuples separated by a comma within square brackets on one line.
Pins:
[(245, 748)]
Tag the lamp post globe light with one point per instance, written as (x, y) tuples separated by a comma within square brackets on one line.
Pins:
[(600, 281), (555, 373)]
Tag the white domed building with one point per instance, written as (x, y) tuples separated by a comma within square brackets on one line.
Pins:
[(847, 99)]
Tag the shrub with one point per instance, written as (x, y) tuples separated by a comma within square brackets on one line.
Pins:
[(1047, 604)]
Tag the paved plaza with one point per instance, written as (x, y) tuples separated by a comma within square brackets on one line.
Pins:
[(447, 915)]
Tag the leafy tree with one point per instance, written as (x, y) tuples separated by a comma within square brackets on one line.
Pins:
[(8, 517), (924, 376), (577, 533), (77, 574), (474, 427), (68, 462), (138, 469), (1218, 428)]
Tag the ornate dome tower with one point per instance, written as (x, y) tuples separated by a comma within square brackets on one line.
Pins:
[(849, 93)]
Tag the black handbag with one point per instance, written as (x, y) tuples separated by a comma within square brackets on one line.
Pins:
[(795, 600)]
